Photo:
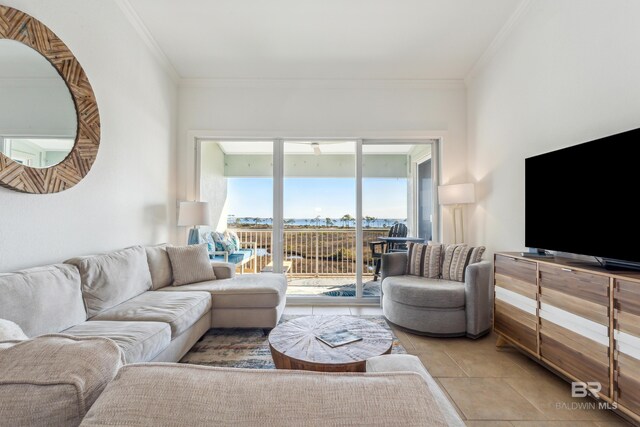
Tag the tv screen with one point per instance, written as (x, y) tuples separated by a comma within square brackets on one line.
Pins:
[(582, 199)]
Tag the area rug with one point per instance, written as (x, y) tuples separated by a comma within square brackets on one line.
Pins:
[(249, 348), (350, 291)]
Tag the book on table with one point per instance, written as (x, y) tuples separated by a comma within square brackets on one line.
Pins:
[(338, 338)]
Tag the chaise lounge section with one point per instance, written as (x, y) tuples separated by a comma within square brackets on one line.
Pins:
[(127, 296)]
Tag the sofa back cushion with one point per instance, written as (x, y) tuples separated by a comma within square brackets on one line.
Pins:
[(159, 266), (42, 300), (113, 278)]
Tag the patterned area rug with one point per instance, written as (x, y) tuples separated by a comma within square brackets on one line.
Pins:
[(249, 348), (368, 290)]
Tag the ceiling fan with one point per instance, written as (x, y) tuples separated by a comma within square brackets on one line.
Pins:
[(316, 148)]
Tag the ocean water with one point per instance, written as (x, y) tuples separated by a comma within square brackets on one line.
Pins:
[(322, 222)]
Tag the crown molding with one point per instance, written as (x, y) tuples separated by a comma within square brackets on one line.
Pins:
[(146, 36), (498, 40), (323, 83)]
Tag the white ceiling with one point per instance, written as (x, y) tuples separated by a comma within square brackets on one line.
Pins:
[(324, 39)]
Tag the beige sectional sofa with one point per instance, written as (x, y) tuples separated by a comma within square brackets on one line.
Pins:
[(92, 320), (127, 296)]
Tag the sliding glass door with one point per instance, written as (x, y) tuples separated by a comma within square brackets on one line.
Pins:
[(319, 218), (319, 210)]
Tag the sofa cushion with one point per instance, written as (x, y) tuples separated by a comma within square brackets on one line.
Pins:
[(424, 260), (264, 290), (113, 278), (457, 258), (423, 292), (179, 309), (190, 264), (411, 363), (139, 341), (53, 380), (159, 266), (42, 300), (180, 394)]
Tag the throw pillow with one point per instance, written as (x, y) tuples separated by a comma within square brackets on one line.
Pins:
[(457, 258), (424, 260), (9, 331), (190, 264), (222, 242), (233, 238)]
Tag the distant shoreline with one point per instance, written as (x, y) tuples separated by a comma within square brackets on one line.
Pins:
[(336, 223)]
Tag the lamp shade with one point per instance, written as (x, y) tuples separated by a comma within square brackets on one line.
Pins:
[(456, 194), (194, 213)]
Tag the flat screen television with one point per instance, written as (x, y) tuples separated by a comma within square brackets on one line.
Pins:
[(583, 199)]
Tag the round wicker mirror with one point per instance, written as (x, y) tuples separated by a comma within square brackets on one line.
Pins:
[(71, 166)]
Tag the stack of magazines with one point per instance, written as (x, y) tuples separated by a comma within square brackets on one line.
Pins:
[(338, 338)]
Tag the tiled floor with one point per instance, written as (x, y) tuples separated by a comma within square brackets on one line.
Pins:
[(491, 387)]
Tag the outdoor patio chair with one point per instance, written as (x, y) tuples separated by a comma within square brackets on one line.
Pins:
[(379, 247)]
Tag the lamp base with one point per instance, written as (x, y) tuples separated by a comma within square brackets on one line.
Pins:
[(194, 237)]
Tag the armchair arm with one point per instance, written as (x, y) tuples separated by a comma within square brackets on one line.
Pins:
[(478, 298), (224, 270), (393, 264), (54, 379)]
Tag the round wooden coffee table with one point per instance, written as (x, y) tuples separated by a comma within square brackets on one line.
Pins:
[(294, 344)]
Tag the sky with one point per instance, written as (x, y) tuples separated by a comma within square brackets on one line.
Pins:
[(310, 197)]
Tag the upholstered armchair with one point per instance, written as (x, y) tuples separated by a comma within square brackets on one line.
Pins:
[(437, 307)]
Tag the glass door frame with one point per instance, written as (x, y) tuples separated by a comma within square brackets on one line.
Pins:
[(278, 200)]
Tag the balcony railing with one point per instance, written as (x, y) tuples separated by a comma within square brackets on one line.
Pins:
[(315, 251)]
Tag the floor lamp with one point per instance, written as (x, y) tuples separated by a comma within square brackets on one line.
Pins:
[(457, 195), (194, 214)]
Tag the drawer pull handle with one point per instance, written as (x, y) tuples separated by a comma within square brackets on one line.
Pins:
[(567, 269)]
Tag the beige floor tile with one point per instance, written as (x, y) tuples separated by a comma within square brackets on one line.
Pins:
[(614, 422), (366, 311), (552, 424), (491, 423), (439, 363), (298, 310), (455, 406), (485, 363), (551, 395), (331, 310), (489, 399), (404, 339)]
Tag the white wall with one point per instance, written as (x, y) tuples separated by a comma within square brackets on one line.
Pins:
[(567, 73), (213, 184), (325, 109), (129, 196)]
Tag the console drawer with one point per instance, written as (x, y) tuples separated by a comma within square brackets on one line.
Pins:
[(627, 379), (577, 355), (516, 324), (590, 287), (521, 270)]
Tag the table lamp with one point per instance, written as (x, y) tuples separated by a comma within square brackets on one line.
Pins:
[(457, 195), (194, 214)]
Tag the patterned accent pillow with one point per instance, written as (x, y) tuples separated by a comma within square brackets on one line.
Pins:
[(233, 239), (457, 258), (221, 241), (424, 260), (190, 264)]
